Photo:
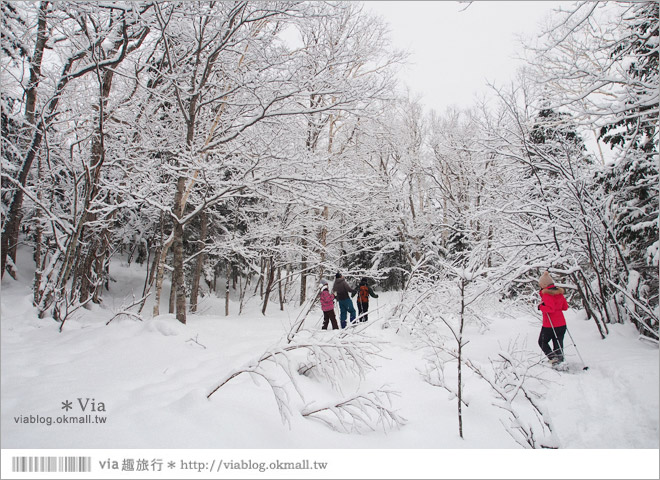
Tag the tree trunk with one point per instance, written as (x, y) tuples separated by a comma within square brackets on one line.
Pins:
[(30, 103), (178, 276), (460, 360), (303, 269), (11, 229), (149, 275), (287, 284), (323, 240), (160, 271), (242, 291), (171, 305), (38, 253), (201, 258), (269, 284), (35, 64), (279, 288), (227, 289), (13, 220), (260, 283)]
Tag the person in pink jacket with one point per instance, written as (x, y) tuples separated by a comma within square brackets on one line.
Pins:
[(553, 304), (328, 307)]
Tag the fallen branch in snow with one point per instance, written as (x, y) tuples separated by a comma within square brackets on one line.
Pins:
[(342, 356), (345, 356), (360, 413), (194, 340), (128, 314)]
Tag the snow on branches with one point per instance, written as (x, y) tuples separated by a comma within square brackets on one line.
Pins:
[(314, 356), (360, 412), (513, 380)]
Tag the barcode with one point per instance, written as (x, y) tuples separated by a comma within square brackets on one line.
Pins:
[(51, 464)]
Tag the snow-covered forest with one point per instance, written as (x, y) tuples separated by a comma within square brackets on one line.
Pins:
[(197, 168)]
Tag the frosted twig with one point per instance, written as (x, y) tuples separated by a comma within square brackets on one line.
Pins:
[(360, 413)]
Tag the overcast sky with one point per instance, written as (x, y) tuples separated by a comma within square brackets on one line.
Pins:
[(455, 50)]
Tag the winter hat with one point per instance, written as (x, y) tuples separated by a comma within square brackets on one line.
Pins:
[(546, 280), (337, 275), (364, 281), (324, 283)]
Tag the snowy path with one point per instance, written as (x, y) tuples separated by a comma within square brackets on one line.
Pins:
[(614, 404), (153, 380)]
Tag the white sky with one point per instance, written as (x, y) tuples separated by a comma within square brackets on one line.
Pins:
[(454, 53)]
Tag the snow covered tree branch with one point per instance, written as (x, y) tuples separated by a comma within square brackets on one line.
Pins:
[(347, 355)]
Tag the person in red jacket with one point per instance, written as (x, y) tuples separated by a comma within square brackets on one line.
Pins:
[(553, 304)]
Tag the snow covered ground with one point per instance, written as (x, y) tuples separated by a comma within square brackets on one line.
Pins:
[(150, 381)]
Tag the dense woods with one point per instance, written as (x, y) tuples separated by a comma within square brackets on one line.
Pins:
[(252, 148)]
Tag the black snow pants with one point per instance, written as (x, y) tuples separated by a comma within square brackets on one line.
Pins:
[(363, 308), (547, 334), (329, 316)]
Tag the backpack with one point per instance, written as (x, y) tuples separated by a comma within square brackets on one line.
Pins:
[(363, 294)]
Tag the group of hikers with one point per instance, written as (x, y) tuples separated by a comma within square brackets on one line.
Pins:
[(342, 291), (552, 306)]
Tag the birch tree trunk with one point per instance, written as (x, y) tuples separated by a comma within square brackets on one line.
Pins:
[(30, 103)]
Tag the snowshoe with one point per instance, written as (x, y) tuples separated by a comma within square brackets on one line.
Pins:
[(566, 367)]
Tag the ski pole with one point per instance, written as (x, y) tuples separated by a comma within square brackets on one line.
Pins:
[(576, 349), (561, 348)]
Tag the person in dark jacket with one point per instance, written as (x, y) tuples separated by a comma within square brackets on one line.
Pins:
[(342, 290), (363, 292), (552, 306)]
